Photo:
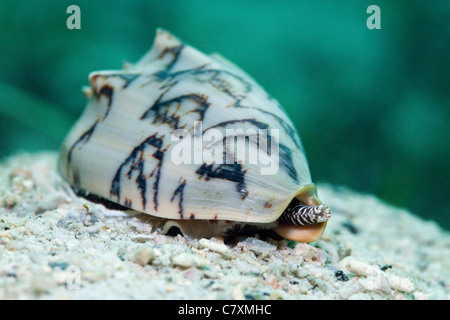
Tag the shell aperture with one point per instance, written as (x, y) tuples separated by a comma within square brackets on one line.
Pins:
[(298, 214)]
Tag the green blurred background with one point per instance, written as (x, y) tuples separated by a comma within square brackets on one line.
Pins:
[(372, 106)]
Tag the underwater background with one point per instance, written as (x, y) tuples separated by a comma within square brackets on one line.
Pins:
[(372, 106)]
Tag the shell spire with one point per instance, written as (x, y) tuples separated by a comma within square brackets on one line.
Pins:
[(164, 42)]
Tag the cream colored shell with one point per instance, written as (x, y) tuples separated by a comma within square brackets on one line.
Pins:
[(120, 149)]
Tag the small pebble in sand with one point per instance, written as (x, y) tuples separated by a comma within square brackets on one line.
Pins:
[(186, 260), (214, 246), (144, 255), (400, 284), (361, 268), (5, 238)]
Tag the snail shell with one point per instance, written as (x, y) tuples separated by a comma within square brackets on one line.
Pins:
[(143, 140)]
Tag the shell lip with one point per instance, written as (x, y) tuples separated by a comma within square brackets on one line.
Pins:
[(308, 196), (309, 233)]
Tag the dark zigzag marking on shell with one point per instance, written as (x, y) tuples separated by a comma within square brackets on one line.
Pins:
[(290, 131), (75, 177), (175, 51), (179, 192), (82, 139), (129, 78), (156, 110), (136, 160), (285, 154), (171, 80), (231, 172), (256, 123), (201, 71), (107, 91)]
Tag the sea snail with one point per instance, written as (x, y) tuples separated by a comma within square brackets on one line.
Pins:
[(185, 136)]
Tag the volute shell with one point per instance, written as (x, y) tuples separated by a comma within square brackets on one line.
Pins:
[(120, 148)]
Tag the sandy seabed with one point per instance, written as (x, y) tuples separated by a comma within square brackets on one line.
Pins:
[(55, 245)]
